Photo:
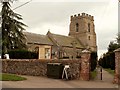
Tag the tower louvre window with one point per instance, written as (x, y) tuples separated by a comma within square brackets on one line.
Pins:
[(88, 27), (88, 37), (77, 27)]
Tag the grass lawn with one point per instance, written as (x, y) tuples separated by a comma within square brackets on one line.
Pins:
[(93, 74), (11, 77), (110, 71)]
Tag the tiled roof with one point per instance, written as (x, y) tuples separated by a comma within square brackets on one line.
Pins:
[(37, 38), (66, 40)]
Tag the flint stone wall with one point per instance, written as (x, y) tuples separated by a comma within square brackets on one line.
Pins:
[(117, 66), (78, 68), (37, 67)]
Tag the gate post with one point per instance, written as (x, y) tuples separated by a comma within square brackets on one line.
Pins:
[(85, 65), (117, 66)]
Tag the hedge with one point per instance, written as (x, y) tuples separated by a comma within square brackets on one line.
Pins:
[(108, 60), (93, 60), (22, 54)]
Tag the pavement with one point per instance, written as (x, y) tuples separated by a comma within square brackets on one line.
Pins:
[(44, 82)]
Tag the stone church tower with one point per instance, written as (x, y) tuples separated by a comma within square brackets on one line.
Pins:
[(82, 27)]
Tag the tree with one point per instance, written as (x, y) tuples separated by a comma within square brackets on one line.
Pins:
[(93, 60), (0, 41), (118, 38), (112, 46), (12, 29), (108, 59)]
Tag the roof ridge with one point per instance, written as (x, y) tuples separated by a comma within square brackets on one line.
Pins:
[(35, 33), (62, 35)]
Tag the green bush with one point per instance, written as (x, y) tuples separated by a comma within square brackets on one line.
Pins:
[(93, 60), (108, 60), (22, 54), (93, 74), (112, 61)]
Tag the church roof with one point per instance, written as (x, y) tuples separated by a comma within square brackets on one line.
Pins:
[(37, 38), (51, 39), (65, 40)]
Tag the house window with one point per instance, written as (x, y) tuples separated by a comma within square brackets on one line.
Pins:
[(77, 27), (36, 49), (88, 27), (47, 53)]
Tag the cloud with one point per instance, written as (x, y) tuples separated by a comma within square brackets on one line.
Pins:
[(54, 28)]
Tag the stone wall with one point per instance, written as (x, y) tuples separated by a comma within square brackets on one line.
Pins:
[(117, 66), (37, 67), (85, 36), (78, 68)]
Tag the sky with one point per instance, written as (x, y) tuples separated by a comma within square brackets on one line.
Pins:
[(54, 15)]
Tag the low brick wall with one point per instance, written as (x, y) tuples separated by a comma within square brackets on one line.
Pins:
[(37, 67)]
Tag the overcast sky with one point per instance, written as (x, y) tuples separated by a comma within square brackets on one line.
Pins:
[(54, 15)]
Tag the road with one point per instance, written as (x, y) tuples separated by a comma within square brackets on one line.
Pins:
[(44, 82)]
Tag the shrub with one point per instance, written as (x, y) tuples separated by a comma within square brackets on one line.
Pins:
[(93, 60), (108, 60), (22, 54), (112, 61)]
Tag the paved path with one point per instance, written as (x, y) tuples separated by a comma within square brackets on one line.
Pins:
[(107, 77), (44, 82)]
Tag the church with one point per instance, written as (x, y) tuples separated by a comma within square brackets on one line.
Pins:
[(53, 46)]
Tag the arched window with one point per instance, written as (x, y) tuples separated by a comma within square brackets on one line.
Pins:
[(77, 27), (88, 27)]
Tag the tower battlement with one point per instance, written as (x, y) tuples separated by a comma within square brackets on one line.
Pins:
[(82, 15)]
